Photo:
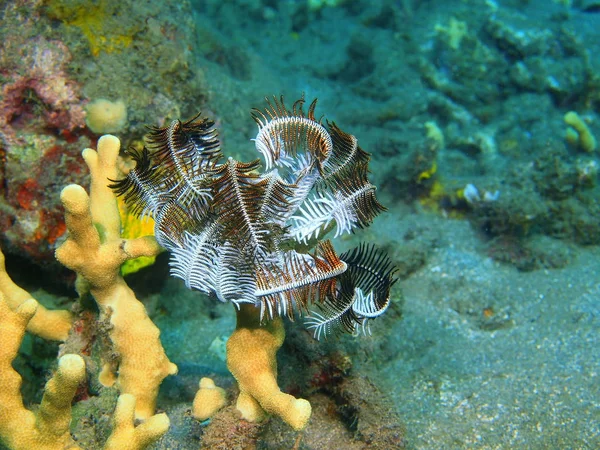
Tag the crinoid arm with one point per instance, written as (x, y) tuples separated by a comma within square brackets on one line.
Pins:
[(283, 133), (171, 181), (219, 270), (362, 294), (296, 280), (142, 195), (275, 203), (237, 204)]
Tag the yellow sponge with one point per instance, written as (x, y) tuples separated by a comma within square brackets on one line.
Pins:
[(208, 400), (105, 116)]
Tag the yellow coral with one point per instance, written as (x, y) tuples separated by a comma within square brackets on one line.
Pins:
[(579, 134), (435, 134), (134, 227), (251, 350), (47, 324), (427, 174), (48, 428), (454, 33), (125, 435), (434, 195), (208, 400), (96, 250)]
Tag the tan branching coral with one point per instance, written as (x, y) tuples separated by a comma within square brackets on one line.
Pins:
[(95, 250), (251, 351), (47, 324), (48, 428), (125, 435)]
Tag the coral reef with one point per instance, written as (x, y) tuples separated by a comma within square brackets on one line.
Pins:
[(95, 249), (111, 41), (98, 23), (468, 108), (41, 128)]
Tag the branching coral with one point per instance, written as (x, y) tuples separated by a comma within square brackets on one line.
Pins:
[(48, 324), (251, 359), (126, 435), (21, 429), (48, 427), (95, 250)]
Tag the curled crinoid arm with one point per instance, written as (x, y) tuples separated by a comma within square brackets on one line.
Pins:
[(361, 195), (282, 132), (187, 147), (277, 198), (334, 314), (142, 195), (297, 280), (363, 293), (347, 159), (186, 152), (342, 194)]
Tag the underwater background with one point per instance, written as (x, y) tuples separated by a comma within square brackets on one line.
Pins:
[(482, 119)]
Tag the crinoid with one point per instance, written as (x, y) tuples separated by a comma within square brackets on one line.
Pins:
[(238, 234)]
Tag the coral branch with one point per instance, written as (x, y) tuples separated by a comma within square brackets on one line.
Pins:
[(95, 250), (126, 435), (47, 324), (21, 429), (251, 350), (54, 415), (208, 400)]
